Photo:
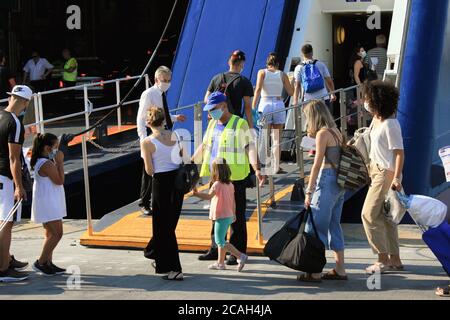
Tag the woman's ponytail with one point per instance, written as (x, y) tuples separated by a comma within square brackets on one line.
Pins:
[(39, 142)]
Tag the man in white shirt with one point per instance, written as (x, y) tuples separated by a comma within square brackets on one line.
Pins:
[(36, 71), (154, 96)]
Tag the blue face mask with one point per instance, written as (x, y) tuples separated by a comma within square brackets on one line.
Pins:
[(216, 114), (22, 114)]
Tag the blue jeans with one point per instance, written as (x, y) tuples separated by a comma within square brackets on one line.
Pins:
[(326, 205)]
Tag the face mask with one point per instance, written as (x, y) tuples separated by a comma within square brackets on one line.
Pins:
[(367, 107), (52, 154), (164, 86), (22, 114), (363, 54), (216, 114)]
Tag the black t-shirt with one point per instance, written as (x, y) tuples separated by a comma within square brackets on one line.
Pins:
[(11, 131), (5, 75), (238, 89)]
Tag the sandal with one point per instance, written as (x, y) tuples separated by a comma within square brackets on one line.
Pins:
[(307, 277), (377, 267), (333, 275), (443, 292), (397, 268), (174, 276)]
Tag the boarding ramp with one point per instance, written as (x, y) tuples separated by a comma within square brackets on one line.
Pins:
[(268, 207)]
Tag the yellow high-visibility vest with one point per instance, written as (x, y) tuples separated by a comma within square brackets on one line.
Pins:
[(71, 76), (234, 140)]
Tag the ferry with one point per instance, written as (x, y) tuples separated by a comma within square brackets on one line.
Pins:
[(418, 34)]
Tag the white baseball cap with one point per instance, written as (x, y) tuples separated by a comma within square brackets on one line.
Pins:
[(22, 92)]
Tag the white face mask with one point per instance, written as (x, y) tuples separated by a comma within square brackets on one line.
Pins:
[(164, 86), (363, 54), (52, 154), (367, 107)]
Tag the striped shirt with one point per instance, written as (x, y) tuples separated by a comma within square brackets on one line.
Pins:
[(11, 131), (378, 58)]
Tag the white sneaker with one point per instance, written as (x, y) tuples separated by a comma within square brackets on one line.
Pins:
[(217, 266), (242, 261)]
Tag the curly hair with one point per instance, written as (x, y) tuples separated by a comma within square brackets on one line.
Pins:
[(382, 97), (155, 117)]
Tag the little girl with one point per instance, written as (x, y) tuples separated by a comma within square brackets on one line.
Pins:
[(222, 212), (49, 201)]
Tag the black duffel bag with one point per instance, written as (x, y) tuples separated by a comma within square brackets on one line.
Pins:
[(294, 248)]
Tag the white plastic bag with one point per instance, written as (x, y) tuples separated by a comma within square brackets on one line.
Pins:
[(393, 208), (427, 211)]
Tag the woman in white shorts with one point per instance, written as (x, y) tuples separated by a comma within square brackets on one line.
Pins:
[(269, 87)]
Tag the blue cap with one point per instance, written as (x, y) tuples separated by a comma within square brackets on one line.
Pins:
[(214, 99)]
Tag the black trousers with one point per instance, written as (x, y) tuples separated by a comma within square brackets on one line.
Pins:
[(146, 186), (39, 85), (167, 204), (238, 235), (146, 190)]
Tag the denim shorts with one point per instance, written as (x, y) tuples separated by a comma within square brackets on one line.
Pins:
[(327, 203), (268, 105)]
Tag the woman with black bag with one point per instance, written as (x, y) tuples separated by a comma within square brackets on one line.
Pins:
[(162, 158), (325, 198)]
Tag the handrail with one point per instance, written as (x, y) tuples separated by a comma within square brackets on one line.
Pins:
[(88, 85), (37, 98), (306, 102), (298, 137)]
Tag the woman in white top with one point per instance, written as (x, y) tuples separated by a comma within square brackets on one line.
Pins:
[(162, 158), (387, 158), (49, 200), (269, 87)]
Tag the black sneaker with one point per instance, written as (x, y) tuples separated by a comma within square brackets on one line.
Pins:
[(231, 261), (45, 270), (57, 270), (17, 265), (12, 275), (211, 255)]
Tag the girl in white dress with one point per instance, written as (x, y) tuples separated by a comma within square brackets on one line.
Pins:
[(49, 201)]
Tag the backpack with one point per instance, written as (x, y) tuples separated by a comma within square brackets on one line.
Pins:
[(352, 173), (312, 79), (223, 87)]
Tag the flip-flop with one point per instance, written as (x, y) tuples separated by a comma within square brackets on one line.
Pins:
[(333, 275), (377, 267), (443, 292), (308, 278)]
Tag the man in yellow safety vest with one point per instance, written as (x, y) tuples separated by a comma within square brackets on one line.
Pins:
[(229, 137), (70, 72)]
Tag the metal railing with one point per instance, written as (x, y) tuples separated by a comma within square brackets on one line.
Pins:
[(362, 118), (40, 122)]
